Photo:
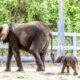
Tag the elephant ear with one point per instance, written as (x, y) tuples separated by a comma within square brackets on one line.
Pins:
[(4, 32)]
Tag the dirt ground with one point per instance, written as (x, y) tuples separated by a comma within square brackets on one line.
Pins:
[(52, 72)]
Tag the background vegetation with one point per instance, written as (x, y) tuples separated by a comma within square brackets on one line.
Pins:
[(45, 11)]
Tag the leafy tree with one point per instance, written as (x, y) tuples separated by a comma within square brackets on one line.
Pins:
[(72, 15), (42, 10)]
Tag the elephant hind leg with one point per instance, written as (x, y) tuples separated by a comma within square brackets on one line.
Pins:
[(37, 48), (33, 49), (42, 55)]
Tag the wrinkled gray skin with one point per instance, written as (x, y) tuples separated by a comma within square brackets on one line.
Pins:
[(32, 37), (68, 61)]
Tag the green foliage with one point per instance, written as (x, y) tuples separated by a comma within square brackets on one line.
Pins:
[(29, 10), (72, 15), (42, 10)]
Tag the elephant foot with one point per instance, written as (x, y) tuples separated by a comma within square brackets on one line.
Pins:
[(62, 72), (68, 72), (6, 70), (20, 69), (75, 73), (40, 69)]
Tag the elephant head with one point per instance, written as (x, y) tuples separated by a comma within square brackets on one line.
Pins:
[(60, 59), (4, 30)]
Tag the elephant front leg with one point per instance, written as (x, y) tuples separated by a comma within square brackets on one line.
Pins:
[(9, 57), (18, 59)]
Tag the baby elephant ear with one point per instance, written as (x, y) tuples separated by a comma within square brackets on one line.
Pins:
[(63, 58), (4, 32)]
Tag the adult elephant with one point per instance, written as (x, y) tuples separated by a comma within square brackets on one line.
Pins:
[(32, 37)]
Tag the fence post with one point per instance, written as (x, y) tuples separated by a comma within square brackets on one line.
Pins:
[(61, 38), (74, 45)]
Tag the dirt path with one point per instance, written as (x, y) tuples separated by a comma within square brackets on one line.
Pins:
[(51, 73)]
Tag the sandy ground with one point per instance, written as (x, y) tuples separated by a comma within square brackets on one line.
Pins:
[(30, 73)]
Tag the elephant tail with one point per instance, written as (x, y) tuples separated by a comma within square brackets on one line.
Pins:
[(52, 55)]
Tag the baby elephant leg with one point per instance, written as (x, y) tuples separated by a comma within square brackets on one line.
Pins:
[(74, 68), (63, 68), (67, 69)]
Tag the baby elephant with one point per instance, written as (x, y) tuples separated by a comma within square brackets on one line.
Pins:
[(68, 61)]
